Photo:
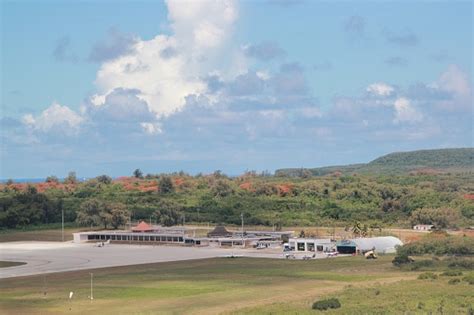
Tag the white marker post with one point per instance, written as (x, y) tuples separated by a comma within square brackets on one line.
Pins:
[(92, 289)]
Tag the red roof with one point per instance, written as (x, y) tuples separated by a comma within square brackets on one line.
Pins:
[(142, 227)]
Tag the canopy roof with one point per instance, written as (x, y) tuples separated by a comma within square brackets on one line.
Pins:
[(142, 227), (219, 231)]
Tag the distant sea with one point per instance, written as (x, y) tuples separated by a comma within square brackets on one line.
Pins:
[(35, 180)]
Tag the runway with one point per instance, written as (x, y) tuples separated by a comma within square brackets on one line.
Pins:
[(47, 257)]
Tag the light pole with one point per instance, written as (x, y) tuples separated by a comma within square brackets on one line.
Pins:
[(92, 282), (62, 224), (242, 218)]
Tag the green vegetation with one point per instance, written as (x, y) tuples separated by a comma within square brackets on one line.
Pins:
[(428, 276), (422, 160), (5, 264), (239, 286), (374, 201), (323, 305)]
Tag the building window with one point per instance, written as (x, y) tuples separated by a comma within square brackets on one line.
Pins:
[(301, 247), (319, 248), (311, 247)]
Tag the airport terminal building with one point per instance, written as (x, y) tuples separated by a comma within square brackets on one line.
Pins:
[(145, 234)]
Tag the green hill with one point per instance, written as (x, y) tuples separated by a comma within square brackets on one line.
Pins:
[(453, 160)]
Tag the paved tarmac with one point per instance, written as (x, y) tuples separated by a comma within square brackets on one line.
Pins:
[(48, 257)]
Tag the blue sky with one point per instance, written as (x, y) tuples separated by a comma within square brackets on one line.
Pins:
[(254, 85)]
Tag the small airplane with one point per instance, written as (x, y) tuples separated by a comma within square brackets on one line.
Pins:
[(102, 244), (332, 254), (308, 257), (290, 256), (233, 256)]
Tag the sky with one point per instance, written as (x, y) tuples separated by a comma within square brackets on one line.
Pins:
[(107, 87)]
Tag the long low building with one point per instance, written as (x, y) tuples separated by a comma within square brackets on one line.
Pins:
[(144, 233)]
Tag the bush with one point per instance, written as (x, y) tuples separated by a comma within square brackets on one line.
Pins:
[(326, 304), (428, 276), (401, 259), (454, 281), (452, 273), (461, 263), (422, 264), (469, 279)]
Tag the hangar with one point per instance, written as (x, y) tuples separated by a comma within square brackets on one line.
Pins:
[(381, 244)]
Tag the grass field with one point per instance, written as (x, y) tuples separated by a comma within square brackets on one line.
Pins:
[(236, 286), (5, 264)]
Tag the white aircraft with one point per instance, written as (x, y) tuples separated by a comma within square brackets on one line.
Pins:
[(102, 244), (332, 254)]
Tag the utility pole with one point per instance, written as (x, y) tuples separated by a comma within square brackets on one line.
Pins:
[(92, 283), (242, 218), (62, 224)]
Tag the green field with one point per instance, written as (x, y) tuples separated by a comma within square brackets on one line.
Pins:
[(240, 286), (5, 264)]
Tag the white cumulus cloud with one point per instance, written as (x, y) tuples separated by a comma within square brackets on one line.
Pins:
[(167, 69), (55, 116), (405, 112), (380, 89)]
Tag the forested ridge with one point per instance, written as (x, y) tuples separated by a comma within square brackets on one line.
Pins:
[(444, 199), (421, 161)]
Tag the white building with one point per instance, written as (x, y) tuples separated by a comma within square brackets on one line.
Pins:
[(423, 227), (311, 244)]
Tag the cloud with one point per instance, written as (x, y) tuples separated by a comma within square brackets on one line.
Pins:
[(113, 46), (151, 128), (264, 51), (62, 51), (290, 80), (452, 91), (380, 89), (166, 69), (454, 80), (249, 83), (396, 61), (355, 25), (404, 38), (57, 118), (405, 112)]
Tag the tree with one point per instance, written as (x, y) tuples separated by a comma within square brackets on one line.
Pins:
[(52, 179), (165, 185), (138, 173), (71, 178), (88, 213), (440, 217), (94, 212), (104, 179), (221, 188), (168, 213), (119, 215)]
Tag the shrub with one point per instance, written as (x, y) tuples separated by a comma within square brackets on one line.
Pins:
[(452, 273), (422, 264), (323, 305), (461, 263), (428, 276), (469, 279), (454, 281), (401, 259)]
